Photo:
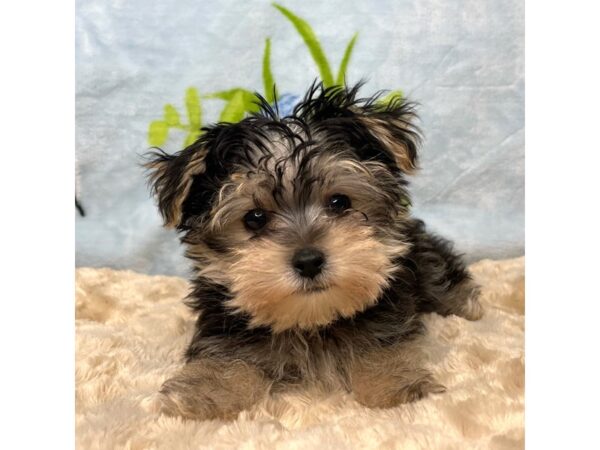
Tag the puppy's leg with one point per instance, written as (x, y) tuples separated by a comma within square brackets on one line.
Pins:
[(445, 283), (462, 300), (211, 389), (388, 377)]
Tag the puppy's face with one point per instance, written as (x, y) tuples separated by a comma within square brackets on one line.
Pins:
[(297, 217)]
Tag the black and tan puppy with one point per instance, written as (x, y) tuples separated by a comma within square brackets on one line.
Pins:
[(308, 266)]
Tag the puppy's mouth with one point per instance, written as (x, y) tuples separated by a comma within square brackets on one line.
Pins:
[(309, 290)]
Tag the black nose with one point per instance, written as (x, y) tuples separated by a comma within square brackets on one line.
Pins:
[(308, 262)]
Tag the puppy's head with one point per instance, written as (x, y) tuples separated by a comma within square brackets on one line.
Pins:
[(298, 217)]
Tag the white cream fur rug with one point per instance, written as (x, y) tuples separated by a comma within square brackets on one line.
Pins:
[(132, 330)]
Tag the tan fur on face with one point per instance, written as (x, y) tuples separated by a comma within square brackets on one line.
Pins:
[(245, 191), (241, 194), (257, 269), (265, 286)]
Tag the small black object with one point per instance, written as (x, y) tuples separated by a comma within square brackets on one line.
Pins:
[(255, 219), (339, 203), (308, 262), (79, 207)]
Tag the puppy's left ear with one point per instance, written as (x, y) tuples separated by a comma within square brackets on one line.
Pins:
[(171, 178), (393, 127)]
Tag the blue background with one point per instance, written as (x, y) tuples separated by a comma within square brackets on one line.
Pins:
[(461, 60)]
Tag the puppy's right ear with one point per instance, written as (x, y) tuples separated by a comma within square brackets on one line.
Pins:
[(171, 177)]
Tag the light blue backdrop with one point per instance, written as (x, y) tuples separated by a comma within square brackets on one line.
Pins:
[(462, 60)]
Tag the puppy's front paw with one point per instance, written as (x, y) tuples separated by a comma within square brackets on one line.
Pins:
[(418, 390), (388, 392), (212, 390), (176, 400), (471, 309), (463, 301)]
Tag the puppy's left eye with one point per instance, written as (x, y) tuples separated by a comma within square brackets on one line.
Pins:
[(339, 203), (255, 219)]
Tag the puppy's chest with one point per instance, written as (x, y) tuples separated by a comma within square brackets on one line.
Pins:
[(310, 359)]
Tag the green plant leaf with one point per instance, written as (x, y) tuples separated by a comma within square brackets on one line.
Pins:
[(389, 98), (192, 104), (250, 98), (234, 109), (341, 77), (157, 133), (172, 116), (192, 136), (311, 41), (229, 94), (268, 81)]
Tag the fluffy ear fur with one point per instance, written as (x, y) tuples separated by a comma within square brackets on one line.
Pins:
[(388, 128), (393, 127), (171, 177)]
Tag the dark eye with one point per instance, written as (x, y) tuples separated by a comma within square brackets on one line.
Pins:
[(255, 219), (339, 203)]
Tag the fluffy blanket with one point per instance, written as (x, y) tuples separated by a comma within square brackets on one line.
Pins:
[(132, 330)]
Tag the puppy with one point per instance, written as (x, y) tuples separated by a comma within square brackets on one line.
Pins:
[(309, 269)]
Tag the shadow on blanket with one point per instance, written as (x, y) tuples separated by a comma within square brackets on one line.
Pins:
[(132, 330)]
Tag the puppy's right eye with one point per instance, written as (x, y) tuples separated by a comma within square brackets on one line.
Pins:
[(255, 219), (339, 203)]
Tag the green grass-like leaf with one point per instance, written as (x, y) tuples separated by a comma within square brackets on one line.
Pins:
[(192, 104), (311, 41), (157, 133), (172, 116), (341, 77), (268, 81), (249, 97), (391, 97), (228, 94), (239, 101), (234, 109), (405, 201)]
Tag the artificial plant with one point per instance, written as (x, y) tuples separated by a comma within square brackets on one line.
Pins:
[(240, 101)]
